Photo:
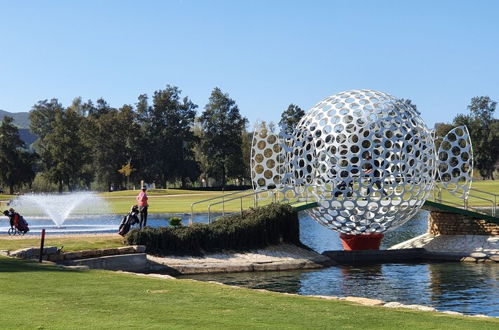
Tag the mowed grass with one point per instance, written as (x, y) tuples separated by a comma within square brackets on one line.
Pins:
[(151, 192), (55, 298), (179, 201), (73, 243), (182, 203), (476, 198)]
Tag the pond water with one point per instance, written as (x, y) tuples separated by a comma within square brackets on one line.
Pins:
[(461, 287), (96, 223)]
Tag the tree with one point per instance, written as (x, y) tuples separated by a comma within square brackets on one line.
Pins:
[(441, 130), (223, 127), (112, 137), (126, 170), (290, 117), (483, 132), (166, 152), (16, 163), (409, 103), (63, 155)]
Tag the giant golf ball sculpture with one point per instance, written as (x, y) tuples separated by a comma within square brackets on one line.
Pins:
[(367, 158)]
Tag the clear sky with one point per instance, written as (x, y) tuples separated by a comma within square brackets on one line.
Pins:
[(265, 54)]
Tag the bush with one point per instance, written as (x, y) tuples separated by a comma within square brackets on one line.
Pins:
[(255, 228), (175, 221)]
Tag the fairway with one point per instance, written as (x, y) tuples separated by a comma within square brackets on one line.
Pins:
[(179, 201), (57, 298)]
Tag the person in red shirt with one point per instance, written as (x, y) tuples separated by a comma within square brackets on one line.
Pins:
[(143, 205)]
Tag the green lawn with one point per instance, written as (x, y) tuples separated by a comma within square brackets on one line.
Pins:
[(151, 192), (82, 242), (476, 197), (37, 296), (181, 203)]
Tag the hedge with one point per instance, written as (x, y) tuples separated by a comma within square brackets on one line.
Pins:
[(255, 228)]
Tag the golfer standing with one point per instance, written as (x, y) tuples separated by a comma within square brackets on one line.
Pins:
[(142, 202)]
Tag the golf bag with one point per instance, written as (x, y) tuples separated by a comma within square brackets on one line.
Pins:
[(128, 221), (21, 224)]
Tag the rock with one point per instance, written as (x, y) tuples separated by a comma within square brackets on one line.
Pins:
[(421, 308), (365, 301), (393, 304), (162, 276), (139, 248), (494, 258), (126, 250), (326, 297), (452, 313), (77, 267), (468, 259), (73, 255), (55, 257), (478, 255)]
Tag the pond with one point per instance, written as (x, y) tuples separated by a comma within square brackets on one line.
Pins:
[(462, 287), (90, 224)]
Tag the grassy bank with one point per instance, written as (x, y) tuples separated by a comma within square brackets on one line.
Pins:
[(75, 243), (54, 298)]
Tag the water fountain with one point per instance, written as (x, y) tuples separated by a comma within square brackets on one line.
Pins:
[(66, 213)]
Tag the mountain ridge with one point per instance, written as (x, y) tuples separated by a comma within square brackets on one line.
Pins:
[(21, 119)]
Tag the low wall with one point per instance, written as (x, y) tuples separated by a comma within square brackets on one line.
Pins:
[(443, 223), (136, 262)]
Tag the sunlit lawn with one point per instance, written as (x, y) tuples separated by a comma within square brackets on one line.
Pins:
[(46, 297), (82, 242), (179, 201)]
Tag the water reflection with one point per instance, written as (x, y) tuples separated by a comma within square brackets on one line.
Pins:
[(466, 288), (322, 239)]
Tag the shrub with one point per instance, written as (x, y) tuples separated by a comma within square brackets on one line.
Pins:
[(175, 221), (255, 228)]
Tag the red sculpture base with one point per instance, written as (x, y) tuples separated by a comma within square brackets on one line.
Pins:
[(361, 242)]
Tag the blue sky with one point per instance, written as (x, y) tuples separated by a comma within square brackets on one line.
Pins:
[(265, 54)]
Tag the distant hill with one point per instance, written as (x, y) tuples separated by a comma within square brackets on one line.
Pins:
[(21, 119), (28, 137)]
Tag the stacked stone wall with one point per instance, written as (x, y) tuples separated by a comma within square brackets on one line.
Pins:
[(443, 223)]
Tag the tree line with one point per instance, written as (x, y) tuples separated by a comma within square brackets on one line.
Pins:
[(484, 133), (160, 139)]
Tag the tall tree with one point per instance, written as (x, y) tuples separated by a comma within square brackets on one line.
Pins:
[(167, 149), (16, 163), (63, 155), (112, 138), (223, 127), (290, 117), (484, 135)]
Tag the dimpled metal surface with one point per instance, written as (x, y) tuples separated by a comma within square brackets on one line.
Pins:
[(366, 156), (455, 162)]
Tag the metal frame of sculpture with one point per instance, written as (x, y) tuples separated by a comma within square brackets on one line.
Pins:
[(368, 158)]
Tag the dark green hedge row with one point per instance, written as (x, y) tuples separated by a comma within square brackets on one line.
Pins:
[(255, 228)]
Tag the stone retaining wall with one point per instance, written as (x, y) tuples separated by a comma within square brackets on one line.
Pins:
[(52, 253), (443, 223)]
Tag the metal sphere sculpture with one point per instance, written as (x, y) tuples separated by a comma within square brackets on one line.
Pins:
[(366, 156), (374, 163)]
